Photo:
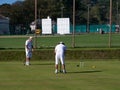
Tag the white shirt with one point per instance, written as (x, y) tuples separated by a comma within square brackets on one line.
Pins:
[(28, 45), (60, 49)]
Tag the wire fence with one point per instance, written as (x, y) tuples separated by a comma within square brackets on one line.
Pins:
[(49, 41), (23, 30)]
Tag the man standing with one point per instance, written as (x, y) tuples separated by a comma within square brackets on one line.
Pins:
[(60, 50), (28, 50)]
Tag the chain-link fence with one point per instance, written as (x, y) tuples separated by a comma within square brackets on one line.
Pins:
[(79, 29)]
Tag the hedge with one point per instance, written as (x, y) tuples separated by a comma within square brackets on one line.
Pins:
[(7, 55)]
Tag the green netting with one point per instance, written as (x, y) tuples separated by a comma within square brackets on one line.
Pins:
[(79, 29), (93, 28), (105, 28)]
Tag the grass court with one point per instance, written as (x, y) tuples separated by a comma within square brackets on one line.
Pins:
[(48, 41), (95, 74), (40, 75)]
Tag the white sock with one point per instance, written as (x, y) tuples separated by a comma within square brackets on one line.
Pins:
[(64, 71), (56, 71), (27, 63)]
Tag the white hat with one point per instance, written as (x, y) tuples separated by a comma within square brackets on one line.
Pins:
[(61, 42), (30, 37)]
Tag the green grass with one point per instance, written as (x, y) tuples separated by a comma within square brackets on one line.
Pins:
[(47, 41), (40, 76)]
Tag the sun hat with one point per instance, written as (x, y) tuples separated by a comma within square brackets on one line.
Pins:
[(30, 37), (61, 42)]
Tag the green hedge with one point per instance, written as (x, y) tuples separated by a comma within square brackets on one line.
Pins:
[(7, 55)]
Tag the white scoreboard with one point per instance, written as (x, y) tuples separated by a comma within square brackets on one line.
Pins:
[(63, 26), (46, 26)]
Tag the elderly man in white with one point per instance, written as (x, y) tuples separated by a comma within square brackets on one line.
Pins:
[(60, 50), (28, 50)]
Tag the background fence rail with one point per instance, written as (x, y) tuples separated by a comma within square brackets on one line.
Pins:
[(49, 41)]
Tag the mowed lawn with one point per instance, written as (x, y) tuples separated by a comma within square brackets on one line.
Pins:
[(93, 75), (48, 41)]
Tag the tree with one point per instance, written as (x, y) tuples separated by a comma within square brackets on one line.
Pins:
[(5, 10), (23, 12)]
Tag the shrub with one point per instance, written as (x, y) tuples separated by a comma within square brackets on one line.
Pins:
[(7, 55)]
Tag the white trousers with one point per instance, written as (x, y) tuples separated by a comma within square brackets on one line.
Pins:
[(59, 57)]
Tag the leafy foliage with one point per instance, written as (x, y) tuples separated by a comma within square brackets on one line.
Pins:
[(22, 12), (8, 55)]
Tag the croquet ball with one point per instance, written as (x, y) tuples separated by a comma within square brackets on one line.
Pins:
[(93, 66), (77, 65)]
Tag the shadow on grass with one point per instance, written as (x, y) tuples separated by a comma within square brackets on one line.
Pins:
[(43, 64), (89, 71)]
